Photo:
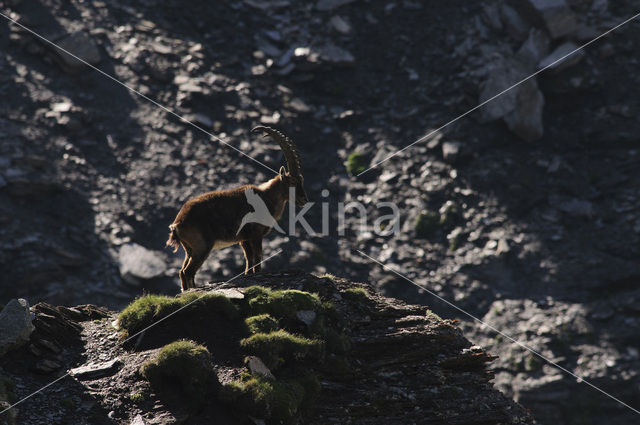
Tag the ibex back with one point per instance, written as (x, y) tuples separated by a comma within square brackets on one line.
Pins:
[(214, 220)]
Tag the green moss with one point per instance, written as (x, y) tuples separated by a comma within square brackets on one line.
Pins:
[(262, 323), (426, 224), (150, 308), (281, 304), (277, 348), (356, 294), (328, 276), (137, 398), (278, 401), (355, 163), (184, 365)]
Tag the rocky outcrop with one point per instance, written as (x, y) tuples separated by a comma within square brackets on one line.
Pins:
[(404, 364)]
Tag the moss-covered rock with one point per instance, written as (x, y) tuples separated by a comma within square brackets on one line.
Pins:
[(277, 401), (183, 369), (277, 348), (150, 308), (261, 323)]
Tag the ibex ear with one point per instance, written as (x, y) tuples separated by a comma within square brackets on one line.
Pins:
[(282, 172)]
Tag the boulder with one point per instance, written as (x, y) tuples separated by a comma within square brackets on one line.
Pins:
[(139, 263), (560, 52), (526, 119), (80, 45), (520, 107), (516, 27), (556, 16), (15, 325), (534, 49)]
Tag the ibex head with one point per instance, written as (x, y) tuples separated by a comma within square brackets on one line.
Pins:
[(293, 177)]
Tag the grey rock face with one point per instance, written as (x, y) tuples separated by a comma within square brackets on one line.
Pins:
[(15, 325)]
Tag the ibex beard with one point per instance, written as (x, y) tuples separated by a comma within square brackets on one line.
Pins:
[(213, 220)]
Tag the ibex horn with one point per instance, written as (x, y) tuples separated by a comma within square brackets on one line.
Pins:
[(289, 149)]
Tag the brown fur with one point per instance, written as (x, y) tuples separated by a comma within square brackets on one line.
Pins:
[(214, 218)]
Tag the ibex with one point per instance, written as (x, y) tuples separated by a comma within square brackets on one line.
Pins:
[(214, 220)]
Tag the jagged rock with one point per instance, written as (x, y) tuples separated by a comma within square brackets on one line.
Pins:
[(138, 420), (520, 107), (257, 366), (560, 51), (516, 27), (139, 263), (99, 370), (15, 325), (526, 119), (328, 5), (534, 49), (558, 18), (81, 45)]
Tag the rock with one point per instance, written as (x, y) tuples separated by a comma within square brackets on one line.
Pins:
[(577, 208), (230, 293), (96, 370), (451, 151), (516, 27), (491, 15), (80, 45), (558, 18), (138, 420), (520, 107), (327, 5), (335, 55), (299, 105), (561, 51), (257, 366), (306, 316), (340, 24), (137, 262), (526, 119), (534, 49), (15, 325), (3, 182), (500, 75), (204, 120)]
